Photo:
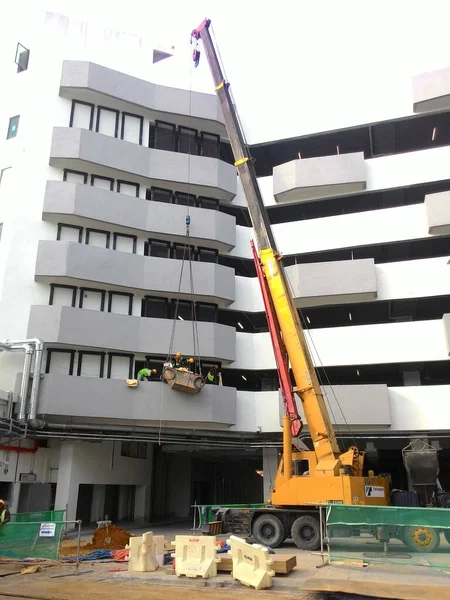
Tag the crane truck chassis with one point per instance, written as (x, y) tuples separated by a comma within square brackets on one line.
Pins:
[(331, 475)]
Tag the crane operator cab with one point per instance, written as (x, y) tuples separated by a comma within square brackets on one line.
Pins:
[(181, 374)]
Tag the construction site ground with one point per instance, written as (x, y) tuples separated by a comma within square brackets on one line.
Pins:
[(95, 580)]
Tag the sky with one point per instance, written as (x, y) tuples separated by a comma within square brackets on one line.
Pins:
[(295, 67)]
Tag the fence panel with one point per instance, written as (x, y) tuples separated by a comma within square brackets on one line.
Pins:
[(380, 534), (43, 516), (31, 539)]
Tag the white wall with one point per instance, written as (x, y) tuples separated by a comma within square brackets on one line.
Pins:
[(414, 341), (425, 408), (343, 231), (96, 463)]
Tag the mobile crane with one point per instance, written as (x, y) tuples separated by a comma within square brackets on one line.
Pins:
[(330, 476)]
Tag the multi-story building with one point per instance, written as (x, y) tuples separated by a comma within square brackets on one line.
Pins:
[(100, 166)]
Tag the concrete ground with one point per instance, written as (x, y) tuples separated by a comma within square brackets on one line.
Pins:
[(404, 575)]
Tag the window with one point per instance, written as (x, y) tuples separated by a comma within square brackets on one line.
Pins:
[(207, 312), (120, 303), (157, 308), (210, 203), (120, 366), (157, 248), (208, 255), (74, 176), (60, 362), (69, 233), (183, 310), (92, 299), (209, 144), (130, 189), (13, 127), (97, 237), (22, 58), (162, 136), (159, 195), (187, 140), (184, 199), (90, 364), (132, 128), (62, 295), (123, 242), (107, 121), (180, 251), (133, 450), (82, 115), (105, 183)]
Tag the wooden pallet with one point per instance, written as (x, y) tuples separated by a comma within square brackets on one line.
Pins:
[(283, 564)]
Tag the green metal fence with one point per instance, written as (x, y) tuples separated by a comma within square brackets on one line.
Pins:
[(43, 516), (33, 539), (378, 534)]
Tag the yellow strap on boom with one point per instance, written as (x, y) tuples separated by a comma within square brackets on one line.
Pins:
[(241, 161), (221, 84)]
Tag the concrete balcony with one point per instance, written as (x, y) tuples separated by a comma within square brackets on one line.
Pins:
[(437, 207), (73, 264), (337, 282), (81, 80), (72, 202), (84, 150), (358, 406), (431, 91), (78, 327), (84, 399), (446, 324), (311, 178)]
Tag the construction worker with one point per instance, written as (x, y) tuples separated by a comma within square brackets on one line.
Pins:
[(178, 360), (5, 515), (146, 374), (212, 375)]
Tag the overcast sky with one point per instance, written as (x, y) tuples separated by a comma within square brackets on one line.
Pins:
[(295, 66)]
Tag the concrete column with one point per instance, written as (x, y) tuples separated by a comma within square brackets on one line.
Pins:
[(142, 504), (98, 503), (270, 465), (68, 481), (14, 499)]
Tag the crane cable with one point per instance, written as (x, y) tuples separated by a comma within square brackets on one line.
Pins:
[(187, 249)]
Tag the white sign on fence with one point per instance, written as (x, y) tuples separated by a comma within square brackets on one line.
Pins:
[(47, 530)]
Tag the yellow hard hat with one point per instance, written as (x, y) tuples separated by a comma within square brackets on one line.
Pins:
[(154, 371), (191, 360), (178, 354), (2, 502)]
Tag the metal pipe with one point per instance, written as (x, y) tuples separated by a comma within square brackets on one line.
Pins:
[(25, 381), (35, 386), (35, 344)]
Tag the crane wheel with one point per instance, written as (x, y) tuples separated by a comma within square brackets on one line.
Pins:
[(306, 533), (268, 530), (421, 539)]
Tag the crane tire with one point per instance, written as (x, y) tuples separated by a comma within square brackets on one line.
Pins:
[(305, 533), (199, 382), (421, 539), (268, 530), (169, 373)]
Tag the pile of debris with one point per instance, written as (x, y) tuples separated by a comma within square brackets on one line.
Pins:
[(110, 537)]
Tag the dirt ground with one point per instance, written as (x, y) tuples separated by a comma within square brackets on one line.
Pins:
[(71, 588)]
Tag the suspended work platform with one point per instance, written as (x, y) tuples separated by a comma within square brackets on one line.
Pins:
[(182, 380)]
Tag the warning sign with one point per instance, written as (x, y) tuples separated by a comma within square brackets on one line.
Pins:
[(373, 491), (47, 530)]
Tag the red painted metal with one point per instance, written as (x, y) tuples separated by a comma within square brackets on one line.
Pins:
[(196, 32), (281, 359), (21, 449)]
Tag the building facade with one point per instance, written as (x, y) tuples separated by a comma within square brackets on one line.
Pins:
[(100, 171)]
